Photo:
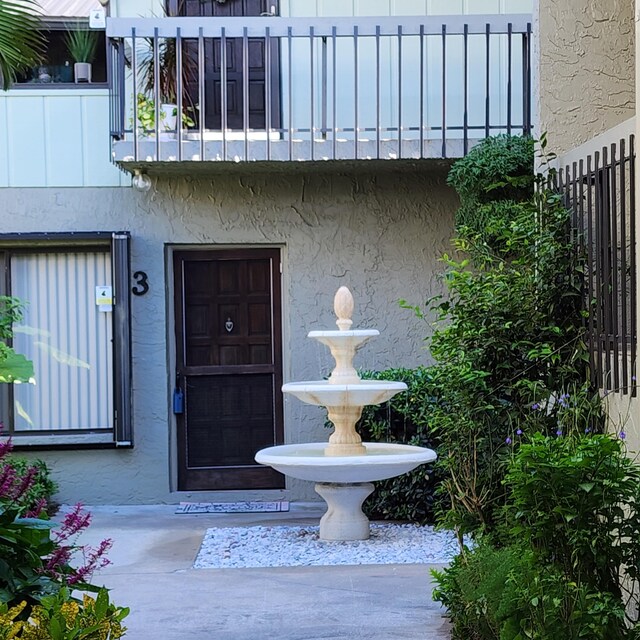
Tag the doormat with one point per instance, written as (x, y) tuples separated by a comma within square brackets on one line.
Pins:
[(233, 507)]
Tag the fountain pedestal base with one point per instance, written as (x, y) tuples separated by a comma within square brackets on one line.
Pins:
[(344, 519)]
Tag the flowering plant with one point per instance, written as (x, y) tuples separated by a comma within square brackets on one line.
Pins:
[(36, 555)]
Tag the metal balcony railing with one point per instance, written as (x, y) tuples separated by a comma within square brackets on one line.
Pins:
[(289, 89)]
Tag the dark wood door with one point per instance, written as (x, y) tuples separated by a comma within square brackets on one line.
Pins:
[(229, 367), (255, 67)]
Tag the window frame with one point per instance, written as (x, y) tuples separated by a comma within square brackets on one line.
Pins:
[(117, 244), (63, 25)]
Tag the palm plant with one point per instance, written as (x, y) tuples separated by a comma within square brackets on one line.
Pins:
[(82, 44), (21, 39), (167, 71)]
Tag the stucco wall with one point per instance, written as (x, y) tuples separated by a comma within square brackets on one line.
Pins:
[(624, 415), (380, 234), (586, 70)]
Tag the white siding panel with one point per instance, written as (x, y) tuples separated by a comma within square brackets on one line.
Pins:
[(26, 147), (516, 6), (482, 6), (56, 138), (67, 338), (4, 143), (408, 7), (445, 7), (62, 123), (336, 8), (98, 169)]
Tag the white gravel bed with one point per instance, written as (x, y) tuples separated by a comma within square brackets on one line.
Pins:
[(288, 546)]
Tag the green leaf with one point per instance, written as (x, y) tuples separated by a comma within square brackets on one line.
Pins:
[(14, 367), (102, 604)]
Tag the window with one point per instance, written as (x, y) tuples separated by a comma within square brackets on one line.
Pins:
[(56, 67), (78, 342)]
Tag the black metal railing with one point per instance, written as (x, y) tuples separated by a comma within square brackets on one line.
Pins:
[(317, 88), (600, 191)]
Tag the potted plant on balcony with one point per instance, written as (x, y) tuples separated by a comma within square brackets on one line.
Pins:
[(82, 45), (168, 80), (146, 110)]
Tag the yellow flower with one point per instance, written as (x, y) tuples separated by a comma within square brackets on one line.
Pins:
[(69, 611)]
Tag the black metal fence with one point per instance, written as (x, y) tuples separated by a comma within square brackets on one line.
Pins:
[(318, 88), (600, 191)]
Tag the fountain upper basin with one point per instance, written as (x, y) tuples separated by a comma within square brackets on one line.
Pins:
[(308, 462), (359, 394)]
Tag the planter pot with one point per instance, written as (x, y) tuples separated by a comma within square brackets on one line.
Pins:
[(82, 71), (168, 117)]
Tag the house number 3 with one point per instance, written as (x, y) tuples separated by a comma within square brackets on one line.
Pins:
[(142, 283)]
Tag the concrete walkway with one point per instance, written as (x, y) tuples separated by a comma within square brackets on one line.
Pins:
[(151, 573)]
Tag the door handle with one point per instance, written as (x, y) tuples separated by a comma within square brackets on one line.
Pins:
[(178, 397)]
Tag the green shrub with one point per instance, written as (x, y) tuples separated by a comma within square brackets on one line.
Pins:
[(570, 554), (61, 617), (404, 419), (24, 544), (36, 555), (576, 502), (498, 168), (41, 487), (509, 336), (474, 589)]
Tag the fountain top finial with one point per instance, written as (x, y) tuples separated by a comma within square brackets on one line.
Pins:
[(343, 306)]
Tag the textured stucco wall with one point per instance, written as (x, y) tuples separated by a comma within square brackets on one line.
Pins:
[(586, 68), (380, 234)]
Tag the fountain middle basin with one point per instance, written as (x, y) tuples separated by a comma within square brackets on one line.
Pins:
[(327, 394), (308, 461)]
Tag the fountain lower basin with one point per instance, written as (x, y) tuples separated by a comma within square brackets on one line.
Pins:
[(308, 462)]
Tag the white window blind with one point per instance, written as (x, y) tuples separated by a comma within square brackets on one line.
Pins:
[(68, 339)]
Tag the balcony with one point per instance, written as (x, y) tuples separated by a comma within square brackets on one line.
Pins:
[(274, 90)]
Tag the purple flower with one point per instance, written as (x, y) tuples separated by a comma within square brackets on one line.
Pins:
[(622, 435), (562, 400), (633, 378), (535, 406), (508, 440), (519, 432), (587, 430), (559, 433)]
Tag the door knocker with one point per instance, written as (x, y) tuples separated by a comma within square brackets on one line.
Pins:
[(228, 325)]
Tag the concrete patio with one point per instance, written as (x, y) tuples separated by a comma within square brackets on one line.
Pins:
[(151, 573)]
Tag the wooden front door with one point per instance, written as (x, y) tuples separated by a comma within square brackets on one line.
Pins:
[(255, 66), (229, 367)]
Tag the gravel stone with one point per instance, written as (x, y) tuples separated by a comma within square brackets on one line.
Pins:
[(288, 546)]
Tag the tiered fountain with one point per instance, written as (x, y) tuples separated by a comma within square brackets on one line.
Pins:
[(344, 469)]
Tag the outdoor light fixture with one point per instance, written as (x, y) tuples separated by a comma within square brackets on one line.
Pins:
[(141, 181)]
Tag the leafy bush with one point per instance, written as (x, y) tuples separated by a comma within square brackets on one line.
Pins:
[(480, 176), (509, 337), (36, 555), (61, 617), (474, 589), (576, 502), (24, 543), (40, 485), (572, 523), (498, 169)]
